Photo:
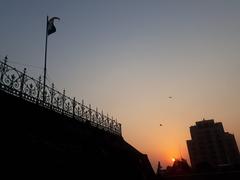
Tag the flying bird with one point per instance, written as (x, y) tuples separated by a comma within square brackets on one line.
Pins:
[(170, 97), (161, 125)]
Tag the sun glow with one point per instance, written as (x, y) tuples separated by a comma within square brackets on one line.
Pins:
[(173, 159)]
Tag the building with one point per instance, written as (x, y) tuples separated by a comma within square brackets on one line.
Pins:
[(211, 145), (179, 167)]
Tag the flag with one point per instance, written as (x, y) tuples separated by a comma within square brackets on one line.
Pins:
[(50, 25)]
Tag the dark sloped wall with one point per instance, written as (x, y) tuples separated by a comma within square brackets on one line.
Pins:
[(40, 142)]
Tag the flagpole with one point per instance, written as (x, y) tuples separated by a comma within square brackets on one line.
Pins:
[(45, 63)]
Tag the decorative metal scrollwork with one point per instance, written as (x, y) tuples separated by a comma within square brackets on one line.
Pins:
[(20, 84)]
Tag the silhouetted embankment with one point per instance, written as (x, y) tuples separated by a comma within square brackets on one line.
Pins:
[(38, 141)]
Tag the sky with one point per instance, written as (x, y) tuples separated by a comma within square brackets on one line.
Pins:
[(128, 57)]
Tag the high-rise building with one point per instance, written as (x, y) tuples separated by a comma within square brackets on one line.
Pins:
[(211, 145)]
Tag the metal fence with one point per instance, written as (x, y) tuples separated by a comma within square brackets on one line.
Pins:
[(21, 85)]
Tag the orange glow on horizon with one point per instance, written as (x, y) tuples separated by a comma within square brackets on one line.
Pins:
[(173, 159)]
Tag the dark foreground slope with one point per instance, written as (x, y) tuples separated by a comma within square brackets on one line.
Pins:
[(37, 141)]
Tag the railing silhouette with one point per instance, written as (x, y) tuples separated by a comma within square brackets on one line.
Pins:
[(21, 85)]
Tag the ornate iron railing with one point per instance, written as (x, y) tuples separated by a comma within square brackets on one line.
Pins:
[(21, 85)]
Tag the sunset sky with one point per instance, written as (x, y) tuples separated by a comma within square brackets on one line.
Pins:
[(128, 57)]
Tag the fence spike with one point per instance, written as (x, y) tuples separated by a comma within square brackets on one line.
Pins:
[(39, 79), (6, 58)]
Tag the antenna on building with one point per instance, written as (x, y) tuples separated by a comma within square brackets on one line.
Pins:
[(180, 151), (159, 169)]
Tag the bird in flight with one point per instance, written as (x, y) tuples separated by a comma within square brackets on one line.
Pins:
[(161, 125), (170, 97)]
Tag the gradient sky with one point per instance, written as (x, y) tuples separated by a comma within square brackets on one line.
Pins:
[(128, 56)]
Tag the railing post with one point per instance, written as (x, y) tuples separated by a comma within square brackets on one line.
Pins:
[(38, 88), (102, 116), (120, 129), (22, 82), (112, 124), (90, 112), (107, 122), (74, 105), (78, 111), (63, 101), (3, 69), (52, 95), (115, 128), (96, 120), (82, 109)]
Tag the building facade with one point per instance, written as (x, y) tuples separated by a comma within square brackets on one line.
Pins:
[(211, 145)]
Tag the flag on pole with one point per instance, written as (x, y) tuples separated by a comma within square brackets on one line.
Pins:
[(50, 25)]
